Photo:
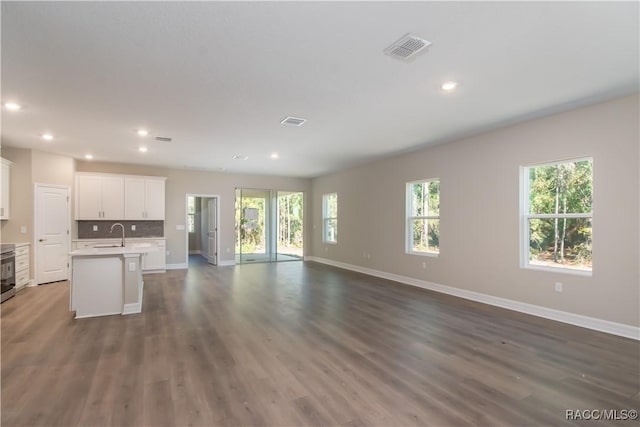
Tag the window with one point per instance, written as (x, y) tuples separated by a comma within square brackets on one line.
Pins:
[(330, 218), (423, 217), (191, 214), (557, 214)]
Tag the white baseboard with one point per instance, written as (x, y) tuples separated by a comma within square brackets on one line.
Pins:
[(178, 266), (195, 252), (593, 323), (132, 308), (226, 263)]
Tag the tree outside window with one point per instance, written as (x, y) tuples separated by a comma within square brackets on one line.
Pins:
[(423, 217), (330, 218), (191, 214), (558, 214)]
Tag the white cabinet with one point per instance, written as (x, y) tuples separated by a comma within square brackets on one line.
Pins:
[(156, 260), (144, 198), (5, 190), (99, 197), (22, 265)]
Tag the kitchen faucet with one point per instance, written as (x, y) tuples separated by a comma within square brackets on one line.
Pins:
[(117, 223)]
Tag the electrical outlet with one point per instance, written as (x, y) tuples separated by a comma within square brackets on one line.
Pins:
[(132, 266), (95, 228), (326, 249), (133, 228), (368, 256), (558, 287), (424, 264), (23, 229)]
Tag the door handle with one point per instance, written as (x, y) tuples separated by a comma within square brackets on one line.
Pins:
[(41, 240)]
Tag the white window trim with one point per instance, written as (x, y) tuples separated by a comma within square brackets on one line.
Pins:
[(409, 220), (525, 216), (326, 219)]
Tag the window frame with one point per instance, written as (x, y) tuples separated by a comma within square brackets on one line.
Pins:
[(525, 217), (326, 219), (409, 218)]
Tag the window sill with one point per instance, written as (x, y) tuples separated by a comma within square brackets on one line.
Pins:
[(561, 270), (427, 254)]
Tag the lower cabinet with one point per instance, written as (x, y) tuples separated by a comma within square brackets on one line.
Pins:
[(155, 260), (22, 265)]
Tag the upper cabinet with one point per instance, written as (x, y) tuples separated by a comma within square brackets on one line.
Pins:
[(144, 198), (119, 197), (5, 189), (99, 197)]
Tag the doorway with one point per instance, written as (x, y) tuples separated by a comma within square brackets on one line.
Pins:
[(202, 227), (269, 226), (52, 225)]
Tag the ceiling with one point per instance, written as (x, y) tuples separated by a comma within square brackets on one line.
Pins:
[(218, 77)]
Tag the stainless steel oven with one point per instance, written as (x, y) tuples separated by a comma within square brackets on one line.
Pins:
[(8, 258)]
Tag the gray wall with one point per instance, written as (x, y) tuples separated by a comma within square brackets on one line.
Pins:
[(479, 212)]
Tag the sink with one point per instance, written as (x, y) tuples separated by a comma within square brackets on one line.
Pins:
[(106, 246)]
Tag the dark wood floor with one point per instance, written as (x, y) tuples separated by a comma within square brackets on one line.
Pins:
[(302, 344)]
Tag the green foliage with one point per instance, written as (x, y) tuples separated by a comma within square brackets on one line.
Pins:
[(425, 202), (564, 188)]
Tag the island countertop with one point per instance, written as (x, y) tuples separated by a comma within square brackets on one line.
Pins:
[(141, 248)]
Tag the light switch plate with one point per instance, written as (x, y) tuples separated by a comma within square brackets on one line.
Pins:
[(180, 227), (23, 229), (133, 228), (132, 266), (95, 228)]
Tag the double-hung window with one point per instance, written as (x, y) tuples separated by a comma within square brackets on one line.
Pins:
[(556, 215), (423, 217), (191, 214), (330, 218)]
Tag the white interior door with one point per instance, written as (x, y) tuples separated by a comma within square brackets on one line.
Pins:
[(213, 231), (52, 233)]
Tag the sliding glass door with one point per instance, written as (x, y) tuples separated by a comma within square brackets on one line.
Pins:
[(269, 225)]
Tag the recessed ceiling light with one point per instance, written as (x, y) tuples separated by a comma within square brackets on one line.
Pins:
[(47, 136), (12, 106), (293, 121), (449, 86), (88, 156), (143, 132), (274, 155), (239, 157), (142, 149)]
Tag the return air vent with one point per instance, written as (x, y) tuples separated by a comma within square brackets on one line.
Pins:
[(163, 139), (293, 121), (407, 47)]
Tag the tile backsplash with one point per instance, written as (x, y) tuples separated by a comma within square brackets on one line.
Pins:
[(143, 229)]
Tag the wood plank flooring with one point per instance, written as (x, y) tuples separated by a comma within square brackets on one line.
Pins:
[(302, 344)]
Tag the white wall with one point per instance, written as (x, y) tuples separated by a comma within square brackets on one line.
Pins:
[(479, 211)]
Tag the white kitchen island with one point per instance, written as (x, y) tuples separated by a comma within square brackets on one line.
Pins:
[(106, 281)]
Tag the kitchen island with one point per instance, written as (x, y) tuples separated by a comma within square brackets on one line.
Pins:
[(106, 280)]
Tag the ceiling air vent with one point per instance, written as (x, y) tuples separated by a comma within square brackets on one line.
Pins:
[(407, 47), (163, 138), (293, 121)]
